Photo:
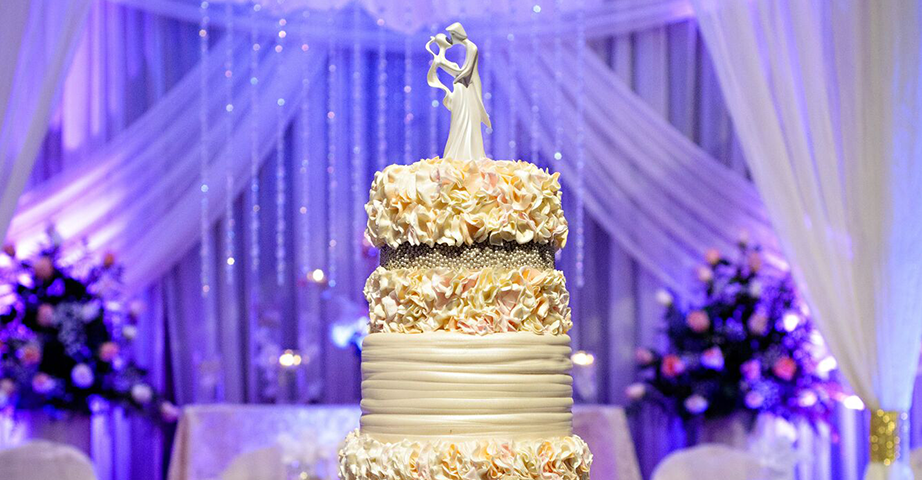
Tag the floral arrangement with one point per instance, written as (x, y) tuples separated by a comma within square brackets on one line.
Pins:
[(747, 346), (66, 335)]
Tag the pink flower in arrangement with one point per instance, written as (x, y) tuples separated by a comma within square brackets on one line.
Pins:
[(45, 316), (7, 386), (751, 370), (644, 356), (42, 383), (758, 323), (108, 351), (30, 354), (754, 400), (698, 321), (705, 274), (169, 412), (785, 368), (672, 366), (712, 256), (635, 391), (713, 358), (755, 261), (44, 268), (696, 404)]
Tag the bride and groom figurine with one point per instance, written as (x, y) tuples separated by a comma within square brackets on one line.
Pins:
[(465, 99)]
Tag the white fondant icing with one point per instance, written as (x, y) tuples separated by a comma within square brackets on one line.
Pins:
[(445, 384)]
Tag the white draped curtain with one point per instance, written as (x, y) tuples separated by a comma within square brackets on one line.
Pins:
[(38, 38), (826, 99)]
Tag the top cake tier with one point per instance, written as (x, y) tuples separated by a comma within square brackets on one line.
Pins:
[(452, 202)]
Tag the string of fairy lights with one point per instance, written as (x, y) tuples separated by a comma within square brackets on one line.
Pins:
[(230, 235), (358, 102), (580, 143), (281, 168), (381, 95), (305, 161), (254, 204), (332, 183), (205, 246)]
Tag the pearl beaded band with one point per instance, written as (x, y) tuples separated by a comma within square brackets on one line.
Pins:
[(479, 255), (886, 429)]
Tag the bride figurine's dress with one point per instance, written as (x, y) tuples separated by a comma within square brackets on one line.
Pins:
[(465, 101)]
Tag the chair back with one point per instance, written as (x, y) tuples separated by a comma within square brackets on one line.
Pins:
[(43, 460), (709, 461)]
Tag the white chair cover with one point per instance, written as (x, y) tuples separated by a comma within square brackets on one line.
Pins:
[(41, 460), (915, 462), (710, 461)]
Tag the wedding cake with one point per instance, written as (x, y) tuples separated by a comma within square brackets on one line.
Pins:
[(465, 372)]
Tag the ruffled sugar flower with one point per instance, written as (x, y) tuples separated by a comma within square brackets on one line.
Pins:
[(454, 202), (672, 366), (476, 302), (698, 321)]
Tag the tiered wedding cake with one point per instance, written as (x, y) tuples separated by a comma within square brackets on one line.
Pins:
[(465, 374)]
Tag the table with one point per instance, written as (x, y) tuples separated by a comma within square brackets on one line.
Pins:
[(270, 442)]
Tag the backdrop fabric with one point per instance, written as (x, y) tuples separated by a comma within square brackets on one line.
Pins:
[(826, 100), (38, 39)]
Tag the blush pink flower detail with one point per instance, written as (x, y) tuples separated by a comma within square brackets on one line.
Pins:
[(30, 354), (44, 268), (751, 370), (785, 368), (108, 351), (672, 366), (45, 316), (713, 358), (758, 323), (712, 256), (698, 321)]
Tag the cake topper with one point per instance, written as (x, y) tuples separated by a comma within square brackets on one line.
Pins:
[(465, 99)]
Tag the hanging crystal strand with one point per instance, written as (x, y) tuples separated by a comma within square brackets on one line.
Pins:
[(558, 79), (280, 172), (204, 251), (230, 219), (304, 133), (580, 142), (533, 85), (254, 148), (358, 101), (332, 184), (407, 89), (381, 83)]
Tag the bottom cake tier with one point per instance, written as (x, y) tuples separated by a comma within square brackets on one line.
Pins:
[(561, 458)]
